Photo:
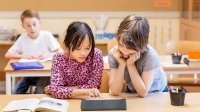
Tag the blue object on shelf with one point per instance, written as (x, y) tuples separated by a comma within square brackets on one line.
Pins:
[(105, 35)]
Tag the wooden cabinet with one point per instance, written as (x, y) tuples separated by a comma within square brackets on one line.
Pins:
[(190, 20), (3, 50), (189, 31)]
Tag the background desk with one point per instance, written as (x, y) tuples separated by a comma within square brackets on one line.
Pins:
[(156, 102), (11, 74), (173, 69), (169, 67)]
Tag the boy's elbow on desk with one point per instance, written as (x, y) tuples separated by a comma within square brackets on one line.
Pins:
[(8, 55), (115, 93), (142, 95)]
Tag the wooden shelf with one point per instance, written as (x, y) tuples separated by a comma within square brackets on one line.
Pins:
[(6, 42), (190, 27)]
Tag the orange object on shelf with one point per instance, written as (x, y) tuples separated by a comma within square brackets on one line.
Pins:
[(194, 55)]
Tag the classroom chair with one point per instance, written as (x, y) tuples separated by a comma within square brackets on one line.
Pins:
[(104, 88)]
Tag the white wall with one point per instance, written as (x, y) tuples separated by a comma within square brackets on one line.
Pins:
[(164, 26)]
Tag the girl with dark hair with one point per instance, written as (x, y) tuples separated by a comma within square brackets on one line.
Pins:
[(77, 71), (134, 61)]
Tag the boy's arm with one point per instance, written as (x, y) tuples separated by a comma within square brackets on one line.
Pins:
[(141, 83), (9, 55), (117, 69), (48, 55), (116, 81), (16, 50)]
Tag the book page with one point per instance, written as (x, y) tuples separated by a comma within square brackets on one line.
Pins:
[(34, 60), (24, 105), (52, 104)]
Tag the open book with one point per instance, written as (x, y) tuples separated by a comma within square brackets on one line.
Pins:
[(46, 104)]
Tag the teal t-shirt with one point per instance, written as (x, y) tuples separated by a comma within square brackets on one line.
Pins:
[(148, 60)]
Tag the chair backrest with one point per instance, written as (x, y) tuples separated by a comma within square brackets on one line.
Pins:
[(183, 47), (104, 88), (111, 44)]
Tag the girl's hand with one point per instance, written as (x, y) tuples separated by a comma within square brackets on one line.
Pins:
[(133, 58), (118, 55), (46, 91), (92, 92)]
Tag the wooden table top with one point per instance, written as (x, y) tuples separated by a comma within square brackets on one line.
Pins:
[(154, 102)]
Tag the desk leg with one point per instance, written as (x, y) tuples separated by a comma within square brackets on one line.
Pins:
[(8, 84), (195, 76), (13, 83)]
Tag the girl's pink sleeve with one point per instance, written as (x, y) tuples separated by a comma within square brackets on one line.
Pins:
[(57, 87), (95, 79)]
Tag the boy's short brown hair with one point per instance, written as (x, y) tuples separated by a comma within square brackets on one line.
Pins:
[(29, 14), (134, 32)]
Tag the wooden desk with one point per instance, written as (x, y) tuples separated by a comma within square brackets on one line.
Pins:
[(182, 68), (4, 46), (154, 102), (11, 74)]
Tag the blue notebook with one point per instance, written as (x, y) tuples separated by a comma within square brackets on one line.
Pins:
[(26, 65)]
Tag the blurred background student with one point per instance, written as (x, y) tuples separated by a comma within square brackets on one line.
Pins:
[(34, 44)]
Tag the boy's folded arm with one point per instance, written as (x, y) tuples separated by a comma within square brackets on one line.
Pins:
[(9, 55)]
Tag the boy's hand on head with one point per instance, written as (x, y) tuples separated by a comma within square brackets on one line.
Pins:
[(118, 55), (133, 58)]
